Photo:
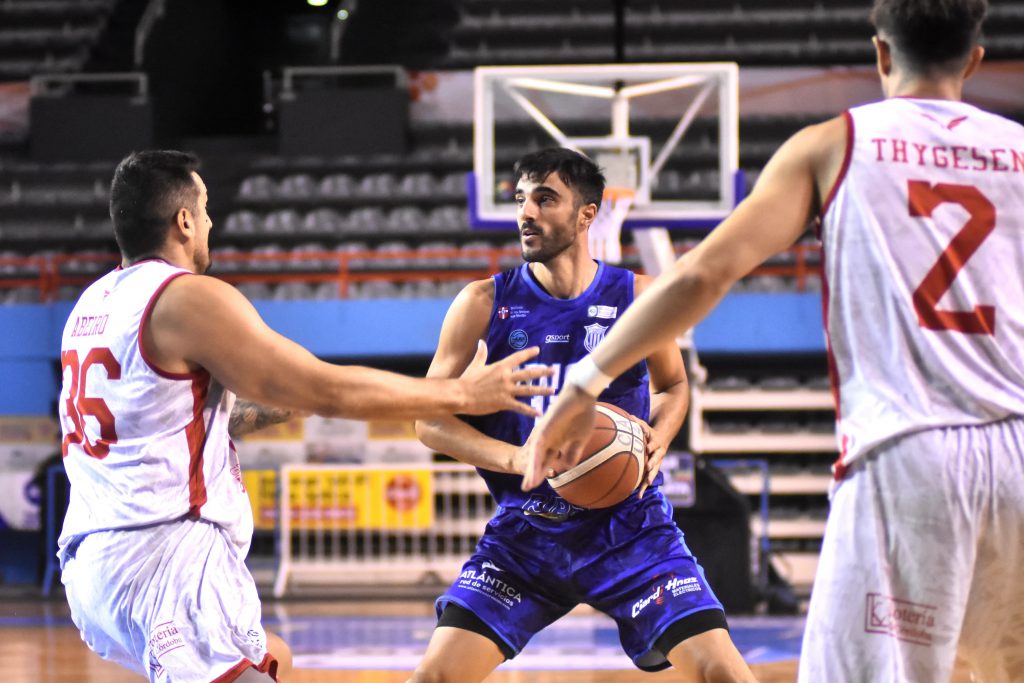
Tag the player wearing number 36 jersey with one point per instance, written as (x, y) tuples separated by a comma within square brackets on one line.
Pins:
[(920, 200), (153, 354), (152, 425)]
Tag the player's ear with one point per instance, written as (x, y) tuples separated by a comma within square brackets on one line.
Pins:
[(883, 55), (184, 222), (587, 214), (974, 61)]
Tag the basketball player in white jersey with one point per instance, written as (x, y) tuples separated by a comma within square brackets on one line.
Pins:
[(153, 354), (921, 205)]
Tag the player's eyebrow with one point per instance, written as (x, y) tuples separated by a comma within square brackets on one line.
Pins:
[(539, 188)]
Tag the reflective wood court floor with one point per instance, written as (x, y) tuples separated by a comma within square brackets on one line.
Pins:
[(379, 642)]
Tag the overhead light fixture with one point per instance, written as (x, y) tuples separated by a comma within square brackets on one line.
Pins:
[(317, 3), (342, 14)]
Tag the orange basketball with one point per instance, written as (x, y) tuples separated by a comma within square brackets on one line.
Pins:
[(612, 462)]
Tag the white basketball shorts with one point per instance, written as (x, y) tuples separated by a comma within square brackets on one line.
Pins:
[(173, 602), (922, 556)]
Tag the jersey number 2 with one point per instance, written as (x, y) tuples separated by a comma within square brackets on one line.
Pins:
[(79, 405), (924, 198)]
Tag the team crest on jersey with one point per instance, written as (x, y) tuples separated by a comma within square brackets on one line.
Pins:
[(503, 313), (595, 333), (518, 339)]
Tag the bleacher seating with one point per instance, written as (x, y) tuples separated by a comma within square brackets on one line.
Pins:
[(48, 36), (751, 32)]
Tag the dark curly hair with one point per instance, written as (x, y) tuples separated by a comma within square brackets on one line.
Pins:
[(577, 172)]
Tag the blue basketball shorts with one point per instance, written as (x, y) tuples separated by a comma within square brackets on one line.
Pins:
[(629, 561)]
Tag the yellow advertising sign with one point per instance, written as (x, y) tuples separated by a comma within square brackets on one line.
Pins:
[(346, 498)]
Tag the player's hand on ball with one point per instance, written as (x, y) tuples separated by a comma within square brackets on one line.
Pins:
[(495, 387), (557, 440), (657, 446)]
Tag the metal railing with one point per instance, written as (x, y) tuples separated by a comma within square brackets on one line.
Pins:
[(51, 272)]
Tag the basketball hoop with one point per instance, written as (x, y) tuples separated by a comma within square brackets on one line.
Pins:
[(605, 235)]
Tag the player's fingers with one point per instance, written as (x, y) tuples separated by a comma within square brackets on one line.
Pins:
[(520, 357), (532, 372), (480, 357), (655, 458), (523, 408), (535, 467), (645, 428), (571, 454), (532, 390)]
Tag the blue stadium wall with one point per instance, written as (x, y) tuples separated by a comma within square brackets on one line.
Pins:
[(749, 323)]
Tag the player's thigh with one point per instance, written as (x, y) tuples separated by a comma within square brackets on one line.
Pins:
[(897, 559), (99, 576), (992, 638), (456, 655), (201, 619), (710, 657)]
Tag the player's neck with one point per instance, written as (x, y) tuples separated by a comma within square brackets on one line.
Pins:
[(173, 257), (567, 275), (917, 87)]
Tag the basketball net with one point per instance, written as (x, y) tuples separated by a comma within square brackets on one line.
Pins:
[(605, 234)]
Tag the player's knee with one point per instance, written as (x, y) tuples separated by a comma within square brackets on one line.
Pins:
[(710, 657), (280, 651), (425, 674), (718, 671)]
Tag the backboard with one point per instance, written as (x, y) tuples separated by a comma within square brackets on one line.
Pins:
[(669, 132)]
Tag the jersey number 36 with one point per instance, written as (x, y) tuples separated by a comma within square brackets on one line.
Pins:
[(78, 405)]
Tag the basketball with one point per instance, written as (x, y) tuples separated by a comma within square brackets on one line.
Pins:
[(612, 463)]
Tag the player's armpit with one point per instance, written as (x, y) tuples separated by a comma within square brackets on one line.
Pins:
[(465, 326)]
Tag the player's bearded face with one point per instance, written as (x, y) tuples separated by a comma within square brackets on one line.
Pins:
[(201, 259), (542, 242)]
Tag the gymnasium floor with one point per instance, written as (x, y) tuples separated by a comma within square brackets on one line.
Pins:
[(337, 641)]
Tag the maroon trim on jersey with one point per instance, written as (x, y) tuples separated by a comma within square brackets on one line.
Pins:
[(838, 468), (267, 666), (847, 156), (198, 374), (195, 435)]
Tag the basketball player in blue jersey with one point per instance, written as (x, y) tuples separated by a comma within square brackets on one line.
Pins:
[(540, 556)]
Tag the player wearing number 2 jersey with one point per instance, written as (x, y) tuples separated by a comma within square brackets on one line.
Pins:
[(921, 206), (153, 354)]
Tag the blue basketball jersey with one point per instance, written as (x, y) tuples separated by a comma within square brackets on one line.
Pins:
[(540, 556), (524, 314)]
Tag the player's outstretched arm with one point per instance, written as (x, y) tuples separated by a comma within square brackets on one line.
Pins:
[(464, 326), (201, 322), (247, 417), (772, 218), (670, 399)]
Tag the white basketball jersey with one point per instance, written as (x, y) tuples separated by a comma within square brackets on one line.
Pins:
[(141, 446), (923, 247)]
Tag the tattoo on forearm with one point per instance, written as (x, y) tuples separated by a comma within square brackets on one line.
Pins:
[(247, 417)]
